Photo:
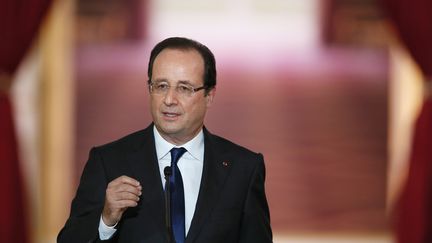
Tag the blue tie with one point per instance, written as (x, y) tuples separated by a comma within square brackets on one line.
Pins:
[(177, 197)]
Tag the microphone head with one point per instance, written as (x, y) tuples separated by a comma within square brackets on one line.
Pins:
[(167, 171)]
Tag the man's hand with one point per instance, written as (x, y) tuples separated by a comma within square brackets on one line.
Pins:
[(121, 193)]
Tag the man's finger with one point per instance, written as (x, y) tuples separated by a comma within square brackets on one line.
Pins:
[(123, 180), (126, 196), (123, 204), (127, 203), (128, 180), (128, 188)]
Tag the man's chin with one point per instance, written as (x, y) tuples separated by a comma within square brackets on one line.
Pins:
[(169, 129)]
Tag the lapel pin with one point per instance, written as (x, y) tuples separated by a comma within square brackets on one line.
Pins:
[(225, 164)]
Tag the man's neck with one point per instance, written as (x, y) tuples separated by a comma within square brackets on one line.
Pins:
[(178, 140)]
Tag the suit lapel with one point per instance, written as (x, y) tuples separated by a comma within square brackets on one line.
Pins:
[(213, 179), (144, 167)]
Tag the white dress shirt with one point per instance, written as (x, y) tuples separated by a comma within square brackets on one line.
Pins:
[(190, 166)]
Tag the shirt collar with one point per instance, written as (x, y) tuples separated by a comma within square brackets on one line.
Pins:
[(194, 147)]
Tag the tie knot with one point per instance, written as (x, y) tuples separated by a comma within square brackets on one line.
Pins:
[(176, 153)]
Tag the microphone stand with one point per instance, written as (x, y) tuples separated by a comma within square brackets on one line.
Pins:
[(169, 232)]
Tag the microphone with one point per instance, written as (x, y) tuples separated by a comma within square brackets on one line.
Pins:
[(167, 173)]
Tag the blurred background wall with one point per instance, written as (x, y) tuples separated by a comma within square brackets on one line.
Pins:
[(318, 86)]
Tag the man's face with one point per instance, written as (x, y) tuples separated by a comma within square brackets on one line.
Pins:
[(179, 118)]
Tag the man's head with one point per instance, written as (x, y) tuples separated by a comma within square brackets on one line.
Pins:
[(182, 79), (181, 43)]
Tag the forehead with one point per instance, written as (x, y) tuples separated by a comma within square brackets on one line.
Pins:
[(178, 64)]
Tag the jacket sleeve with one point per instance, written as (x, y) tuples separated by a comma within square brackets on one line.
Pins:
[(255, 226), (83, 222)]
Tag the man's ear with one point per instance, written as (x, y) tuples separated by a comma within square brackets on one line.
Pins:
[(210, 96)]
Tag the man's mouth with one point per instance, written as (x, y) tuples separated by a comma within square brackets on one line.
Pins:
[(170, 114)]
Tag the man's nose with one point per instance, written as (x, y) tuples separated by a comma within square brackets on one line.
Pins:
[(171, 96)]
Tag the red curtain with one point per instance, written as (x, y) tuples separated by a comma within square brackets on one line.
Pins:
[(13, 224), (19, 22), (413, 20), (414, 213)]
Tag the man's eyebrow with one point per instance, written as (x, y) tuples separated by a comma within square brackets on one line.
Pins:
[(160, 80), (184, 82)]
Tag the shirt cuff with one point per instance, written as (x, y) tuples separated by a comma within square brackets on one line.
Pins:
[(106, 232)]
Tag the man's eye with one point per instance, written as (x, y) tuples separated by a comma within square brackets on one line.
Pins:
[(183, 88), (162, 86)]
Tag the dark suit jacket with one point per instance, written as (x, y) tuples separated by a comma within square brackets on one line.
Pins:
[(231, 205)]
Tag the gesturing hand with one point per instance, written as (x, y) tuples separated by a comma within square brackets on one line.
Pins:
[(121, 193)]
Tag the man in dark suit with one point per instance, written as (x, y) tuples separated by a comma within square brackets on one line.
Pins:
[(216, 187)]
